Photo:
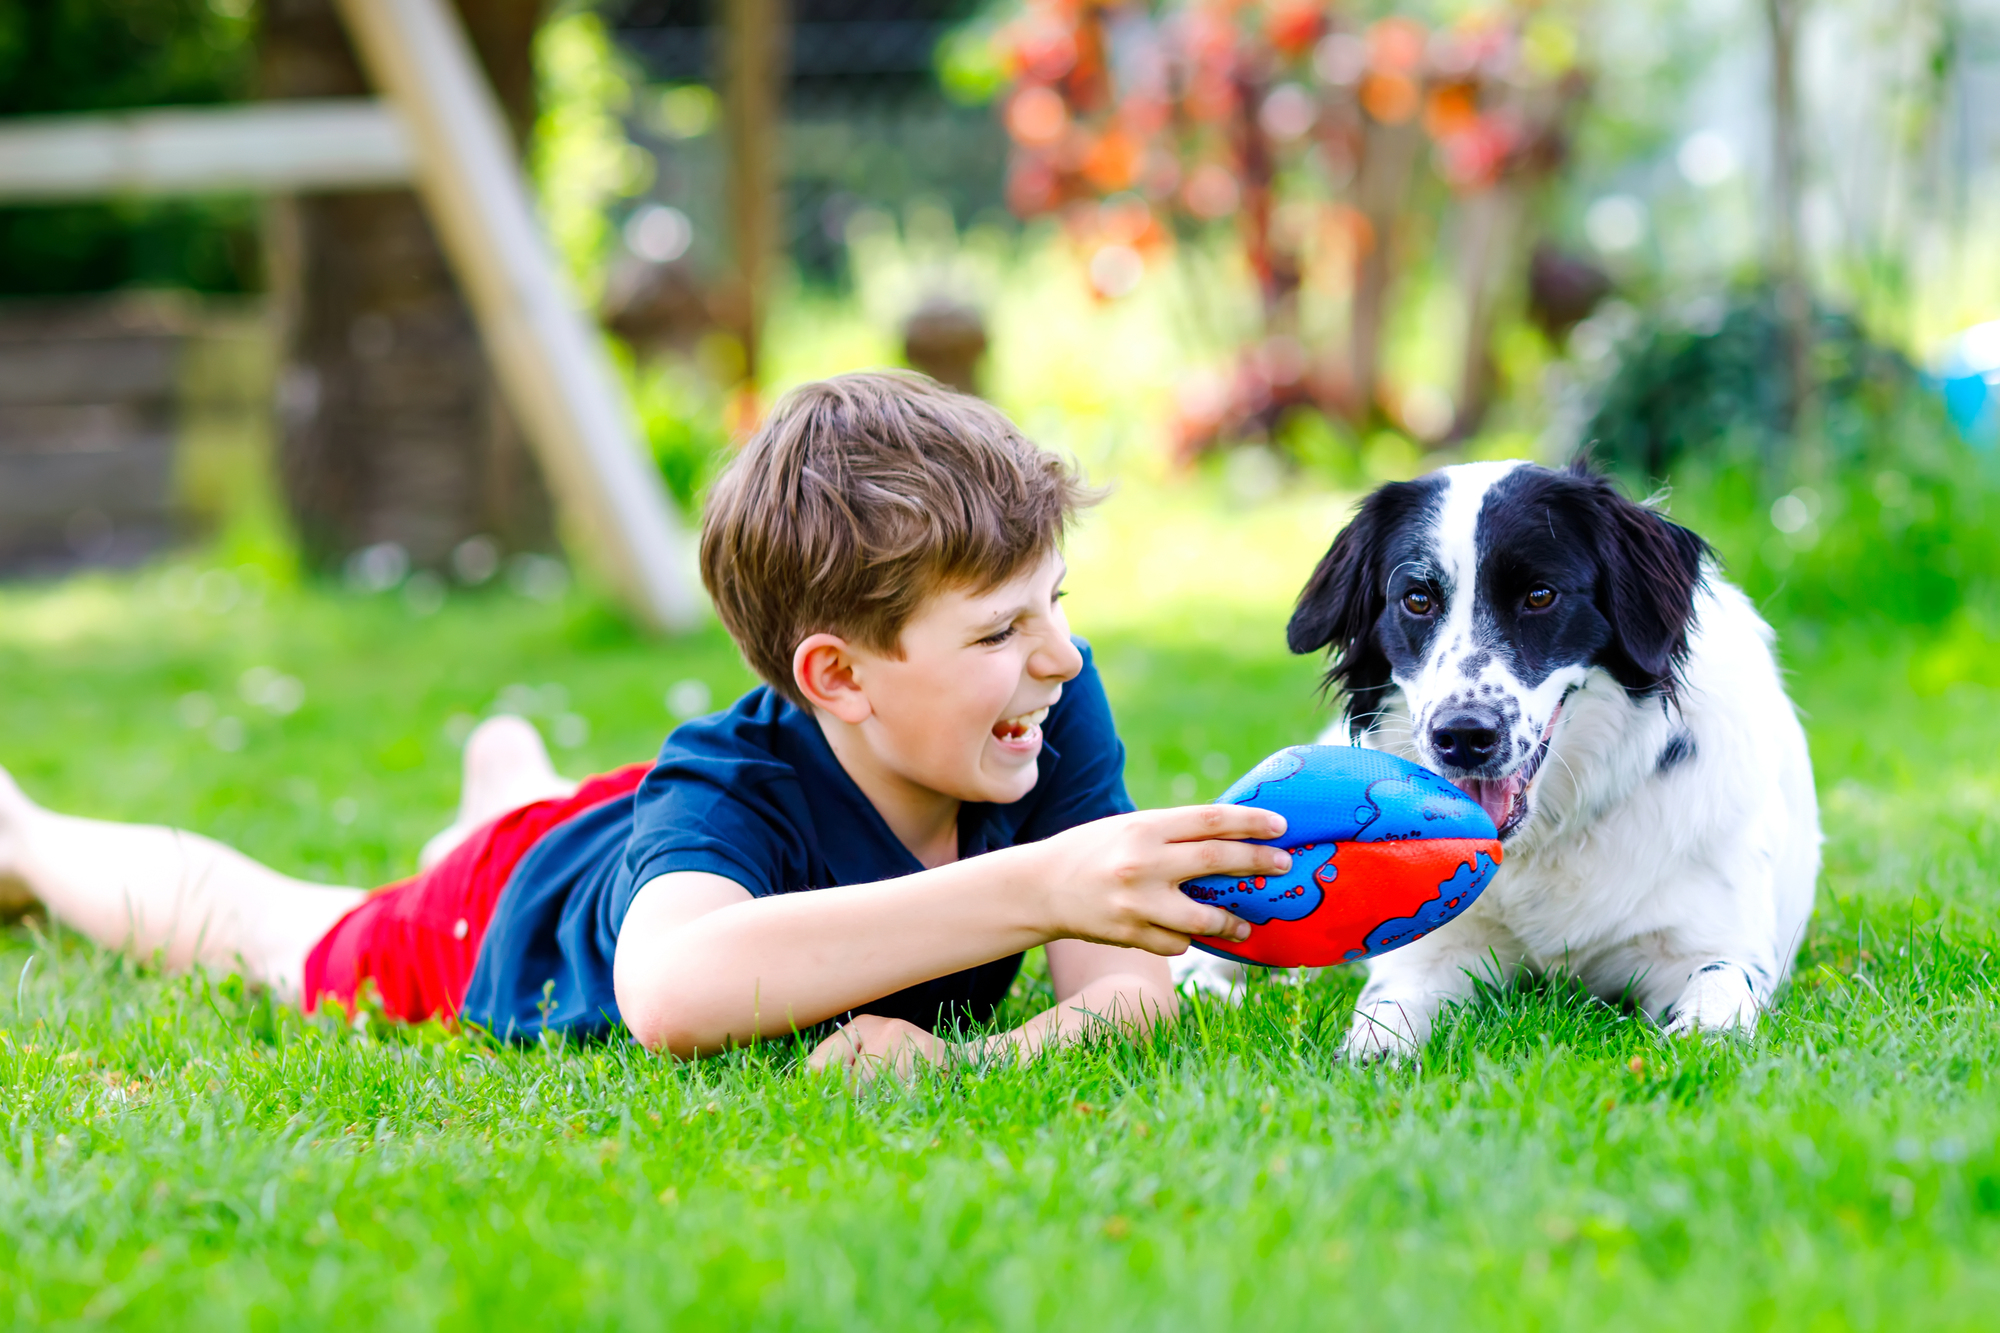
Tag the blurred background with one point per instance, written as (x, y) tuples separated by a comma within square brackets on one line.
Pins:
[(1254, 245), (1245, 258)]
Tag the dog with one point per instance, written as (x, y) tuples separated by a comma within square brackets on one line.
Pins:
[(1574, 662)]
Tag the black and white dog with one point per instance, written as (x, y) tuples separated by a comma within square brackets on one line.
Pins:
[(1573, 662)]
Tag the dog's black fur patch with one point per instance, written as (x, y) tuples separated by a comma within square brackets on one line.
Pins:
[(1625, 579), (1345, 598)]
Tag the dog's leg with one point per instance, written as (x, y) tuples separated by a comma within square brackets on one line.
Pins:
[(1721, 996), (1398, 1007)]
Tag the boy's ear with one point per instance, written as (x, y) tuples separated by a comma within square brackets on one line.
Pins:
[(823, 669)]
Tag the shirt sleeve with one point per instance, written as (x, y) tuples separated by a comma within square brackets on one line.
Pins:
[(1088, 781), (738, 816)]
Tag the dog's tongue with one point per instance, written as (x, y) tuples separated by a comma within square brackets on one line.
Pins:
[(1501, 797), (1496, 796)]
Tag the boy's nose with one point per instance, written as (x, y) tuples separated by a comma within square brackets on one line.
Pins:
[(1057, 659)]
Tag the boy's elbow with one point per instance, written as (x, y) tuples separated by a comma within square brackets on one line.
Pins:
[(668, 973), (655, 1029), (664, 1030), (669, 1013), (684, 1043), (661, 1021)]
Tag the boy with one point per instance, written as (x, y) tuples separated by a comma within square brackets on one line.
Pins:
[(927, 785)]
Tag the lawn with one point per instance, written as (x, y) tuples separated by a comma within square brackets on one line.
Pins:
[(177, 1151)]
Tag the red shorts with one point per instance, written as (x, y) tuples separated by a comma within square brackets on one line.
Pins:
[(419, 940)]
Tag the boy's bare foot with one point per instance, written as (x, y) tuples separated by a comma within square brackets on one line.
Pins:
[(15, 810), (506, 767)]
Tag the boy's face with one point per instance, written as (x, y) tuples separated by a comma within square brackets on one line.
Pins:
[(960, 712)]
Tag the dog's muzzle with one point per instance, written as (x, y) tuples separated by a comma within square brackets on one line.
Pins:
[(1470, 738)]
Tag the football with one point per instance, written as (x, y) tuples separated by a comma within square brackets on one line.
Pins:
[(1384, 852)]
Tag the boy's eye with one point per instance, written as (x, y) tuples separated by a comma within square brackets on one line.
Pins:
[(996, 638)]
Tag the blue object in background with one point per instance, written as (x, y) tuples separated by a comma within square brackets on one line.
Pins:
[(1969, 376)]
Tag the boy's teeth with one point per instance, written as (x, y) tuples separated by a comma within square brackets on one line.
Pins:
[(1013, 728)]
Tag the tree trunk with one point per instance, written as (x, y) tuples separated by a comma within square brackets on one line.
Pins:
[(1490, 224), (755, 55), (1381, 187), (1788, 258), (392, 427)]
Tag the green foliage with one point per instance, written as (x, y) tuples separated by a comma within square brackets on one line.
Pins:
[(93, 55), (580, 159), (1897, 541), (206, 245), (178, 1143), (97, 55), (680, 412), (1898, 525), (1712, 384), (971, 68)]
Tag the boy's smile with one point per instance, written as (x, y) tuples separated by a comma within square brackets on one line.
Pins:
[(956, 715), (1025, 730)]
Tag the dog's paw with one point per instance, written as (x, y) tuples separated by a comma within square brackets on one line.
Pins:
[(1224, 978), (1718, 998), (1384, 1030)]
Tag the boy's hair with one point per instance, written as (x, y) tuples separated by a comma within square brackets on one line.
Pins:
[(860, 496)]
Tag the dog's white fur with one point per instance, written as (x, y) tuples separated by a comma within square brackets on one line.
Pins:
[(1684, 888)]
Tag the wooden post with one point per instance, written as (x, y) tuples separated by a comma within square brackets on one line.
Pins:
[(394, 425), (753, 103), (549, 361)]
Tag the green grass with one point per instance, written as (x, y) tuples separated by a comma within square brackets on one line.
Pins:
[(175, 1150)]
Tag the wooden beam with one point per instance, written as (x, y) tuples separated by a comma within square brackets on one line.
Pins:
[(549, 361), (267, 148)]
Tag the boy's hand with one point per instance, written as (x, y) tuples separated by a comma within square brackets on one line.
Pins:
[(1117, 880), (869, 1045)]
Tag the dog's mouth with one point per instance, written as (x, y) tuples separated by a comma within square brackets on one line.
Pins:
[(1505, 800)]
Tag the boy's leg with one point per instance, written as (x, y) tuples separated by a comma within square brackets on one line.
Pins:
[(506, 766), (152, 890)]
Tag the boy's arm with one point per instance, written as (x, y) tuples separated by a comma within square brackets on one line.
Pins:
[(1104, 989), (701, 966), (1099, 986), (1101, 989)]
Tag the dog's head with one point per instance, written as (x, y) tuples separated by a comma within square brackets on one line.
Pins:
[(1486, 594)]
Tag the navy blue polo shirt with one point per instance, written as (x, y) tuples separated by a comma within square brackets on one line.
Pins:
[(754, 794)]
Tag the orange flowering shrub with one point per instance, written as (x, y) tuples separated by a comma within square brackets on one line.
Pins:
[(1139, 123)]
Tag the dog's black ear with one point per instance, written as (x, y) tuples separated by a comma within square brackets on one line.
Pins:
[(1652, 570), (1345, 597)]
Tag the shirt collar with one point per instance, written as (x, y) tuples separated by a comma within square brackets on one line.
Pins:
[(856, 842)]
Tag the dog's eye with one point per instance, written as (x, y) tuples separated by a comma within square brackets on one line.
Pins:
[(1418, 602), (1540, 598)]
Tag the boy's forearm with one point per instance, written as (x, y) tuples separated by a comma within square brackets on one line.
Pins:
[(1122, 1005), (771, 966)]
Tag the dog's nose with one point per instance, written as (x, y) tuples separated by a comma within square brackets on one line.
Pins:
[(1465, 740)]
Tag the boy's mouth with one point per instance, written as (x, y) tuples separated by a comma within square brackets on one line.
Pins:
[(1015, 730)]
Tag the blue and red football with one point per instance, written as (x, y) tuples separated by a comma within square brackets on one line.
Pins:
[(1383, 853)]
